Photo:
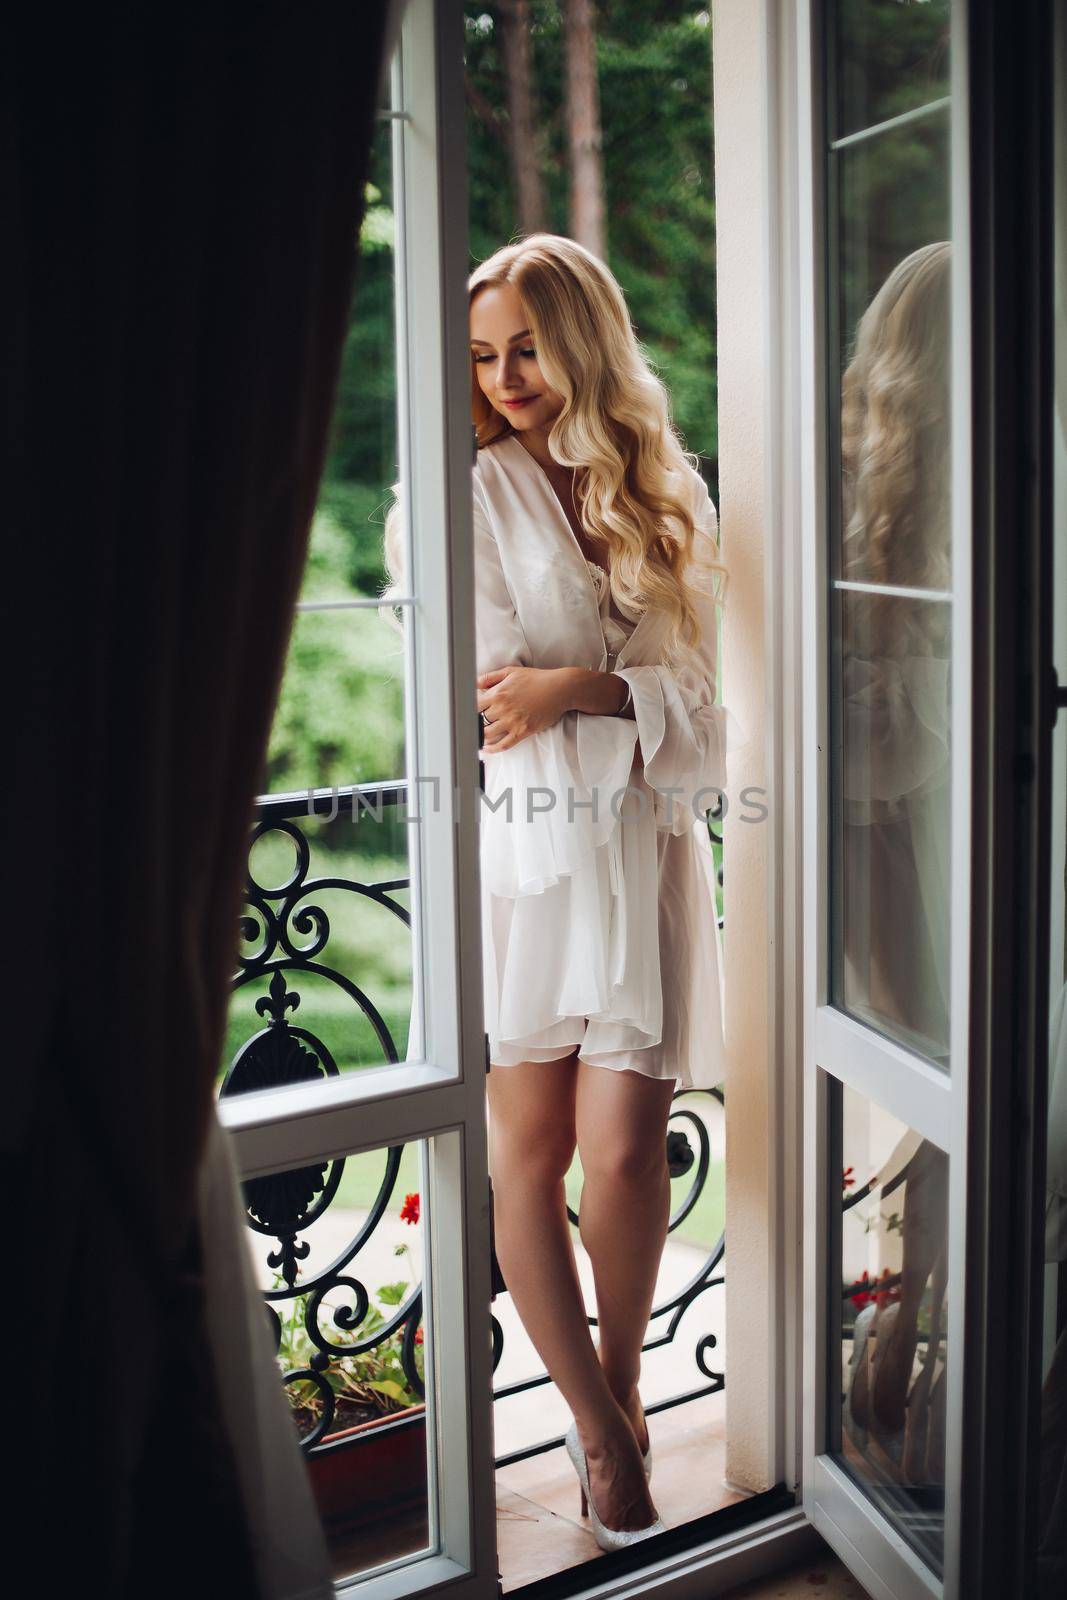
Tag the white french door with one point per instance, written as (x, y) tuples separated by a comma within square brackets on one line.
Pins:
[(925, 604), (328, 1158), (887, 739)]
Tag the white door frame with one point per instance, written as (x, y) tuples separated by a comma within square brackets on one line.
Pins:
[(438, 1095)]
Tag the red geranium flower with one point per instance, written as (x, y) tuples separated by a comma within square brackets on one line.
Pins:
[(847, 1180), (418, 1335), (885, 1295), (861, 1296), (409, 1211)]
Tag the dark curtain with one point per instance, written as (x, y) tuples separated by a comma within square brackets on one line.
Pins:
[(183, 189)]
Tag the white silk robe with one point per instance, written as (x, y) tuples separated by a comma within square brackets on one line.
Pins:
[(598, 887)]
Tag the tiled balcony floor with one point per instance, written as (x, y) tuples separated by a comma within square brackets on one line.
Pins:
[(538, 1522)]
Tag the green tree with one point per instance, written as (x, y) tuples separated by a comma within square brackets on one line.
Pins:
[(655, 111), (340, 715)]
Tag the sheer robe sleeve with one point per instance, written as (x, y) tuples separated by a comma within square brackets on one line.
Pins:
[(685, 737)]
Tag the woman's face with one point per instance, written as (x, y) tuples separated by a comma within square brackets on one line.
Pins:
[(505, 360)]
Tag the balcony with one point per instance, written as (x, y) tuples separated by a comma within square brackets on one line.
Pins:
[(338, 1247)]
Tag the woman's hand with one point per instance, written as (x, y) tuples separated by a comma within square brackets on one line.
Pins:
[(519, 701)]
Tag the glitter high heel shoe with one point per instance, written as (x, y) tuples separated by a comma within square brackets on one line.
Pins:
[(606, 1538)]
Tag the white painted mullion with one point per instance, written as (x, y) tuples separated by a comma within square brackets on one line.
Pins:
[(898, 590), (283, 1128), (913, 1091), (891, 124)]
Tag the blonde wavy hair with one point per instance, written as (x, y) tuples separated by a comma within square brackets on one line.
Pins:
[(895, 439), (632, 484)]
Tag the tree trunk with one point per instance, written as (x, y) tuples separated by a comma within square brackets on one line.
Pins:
[(524, 143), (583, 127)]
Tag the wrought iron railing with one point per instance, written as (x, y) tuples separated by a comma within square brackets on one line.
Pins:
[(287, 936)]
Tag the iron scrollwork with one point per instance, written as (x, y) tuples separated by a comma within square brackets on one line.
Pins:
[(289, 936)]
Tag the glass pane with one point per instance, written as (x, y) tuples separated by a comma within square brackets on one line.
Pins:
[(891, 58), (338, 1250), (893, 766), (345, 551), (326, 926), (340, 714), (890, 651), (892, 195), (324, 980), (887, 1389)]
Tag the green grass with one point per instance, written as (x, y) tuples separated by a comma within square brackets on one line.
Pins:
[(704, 1223), (330, 1016), (363, 1175)]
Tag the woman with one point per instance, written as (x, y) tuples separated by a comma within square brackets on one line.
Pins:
[(595, 569)]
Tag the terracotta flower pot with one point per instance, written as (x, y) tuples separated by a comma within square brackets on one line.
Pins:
[(376, 1468)]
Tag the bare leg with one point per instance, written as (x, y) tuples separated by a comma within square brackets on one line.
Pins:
[(621, 1124), (531, 1145)]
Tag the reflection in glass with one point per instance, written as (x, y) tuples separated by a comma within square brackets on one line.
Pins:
[(887, 1393), (891, 705), (338, 1251), (891, 59), (893, 863), (895, 430), (892, 198)]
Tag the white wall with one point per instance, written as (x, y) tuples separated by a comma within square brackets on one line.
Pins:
[(740, 247)]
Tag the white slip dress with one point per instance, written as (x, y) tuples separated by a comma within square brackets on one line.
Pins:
[(599, 915)]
